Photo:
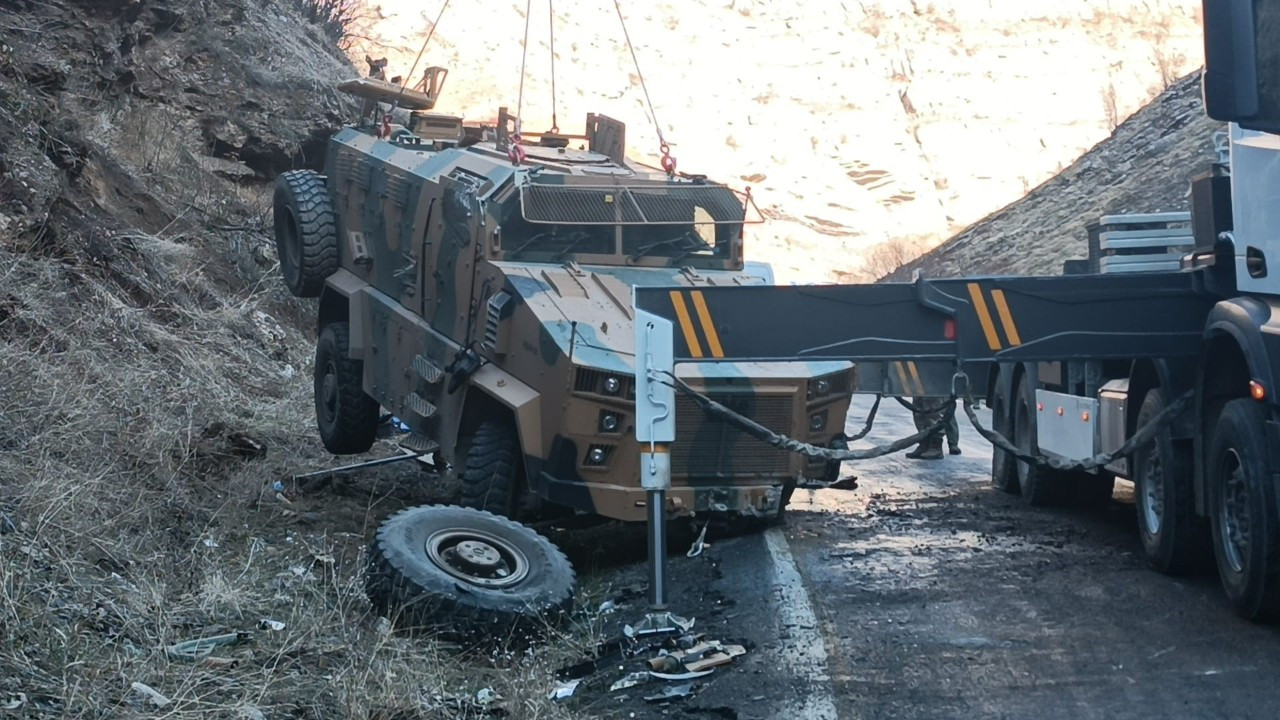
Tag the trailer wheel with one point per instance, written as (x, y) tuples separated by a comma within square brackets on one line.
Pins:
[(1038, 487), (1242, 502), (305, 230), (1004, 471), (346, 417), (468, 573), (1174, 540)]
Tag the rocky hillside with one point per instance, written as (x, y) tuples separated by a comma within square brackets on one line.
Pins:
[(1146, 166), (854, 123)]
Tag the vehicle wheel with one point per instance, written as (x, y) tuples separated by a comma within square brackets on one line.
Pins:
[(306, 232), (1243, 511), (467, 572), (346, 416), (1004, 471), (1174, 540), (1037, 487), (490, 468)]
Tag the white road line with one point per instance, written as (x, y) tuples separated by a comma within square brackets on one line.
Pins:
[(803, 650)]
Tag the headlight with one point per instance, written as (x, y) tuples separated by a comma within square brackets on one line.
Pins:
[(612, 385), (608, 422), (818, 421), (824, 386), (596, 456)]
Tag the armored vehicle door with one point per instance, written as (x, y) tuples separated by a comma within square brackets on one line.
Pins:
[(449, 269)]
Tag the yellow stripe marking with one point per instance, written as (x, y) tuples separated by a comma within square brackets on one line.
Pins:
[(713, 339), (686, 325), (984, 316), (902, 376), (1006, 317), (915, 373)]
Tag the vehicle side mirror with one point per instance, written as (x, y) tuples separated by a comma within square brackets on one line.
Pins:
[(1241, 81)]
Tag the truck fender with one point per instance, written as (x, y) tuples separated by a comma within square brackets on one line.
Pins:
[(341, 300), (523, 401)]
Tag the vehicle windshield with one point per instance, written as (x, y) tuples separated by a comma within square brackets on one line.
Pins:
[(585, 232)]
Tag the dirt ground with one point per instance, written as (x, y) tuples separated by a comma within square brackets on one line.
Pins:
[(934, 595)]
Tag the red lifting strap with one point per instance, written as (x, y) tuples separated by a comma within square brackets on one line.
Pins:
[(515, 150), (668, 162)]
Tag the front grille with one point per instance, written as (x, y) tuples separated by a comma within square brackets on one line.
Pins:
[(709, 448)]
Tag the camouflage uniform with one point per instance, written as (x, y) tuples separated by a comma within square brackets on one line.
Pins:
[(932, 411)]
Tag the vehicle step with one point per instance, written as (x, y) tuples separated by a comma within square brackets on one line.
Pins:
[(427, 370), (419, 405), (420, 444)]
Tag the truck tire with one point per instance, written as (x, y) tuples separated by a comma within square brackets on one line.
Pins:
[(346, 417), (1037, 486), (1004, 470), (1242, 504), (306, 232), (469, 573), (1174, 540), (489, 468)]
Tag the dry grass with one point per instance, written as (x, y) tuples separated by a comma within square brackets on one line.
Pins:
[(129, 380)]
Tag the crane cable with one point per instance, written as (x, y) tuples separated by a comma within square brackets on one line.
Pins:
[(515, 149), (430, 33), (668, 162), (551, 12)]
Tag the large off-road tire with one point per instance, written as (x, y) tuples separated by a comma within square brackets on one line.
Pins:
[(469, 573), (489, 468), (1174, 540), (346, 417), (1038, 487), (306, 232), (1004, 469), (1242, 503)]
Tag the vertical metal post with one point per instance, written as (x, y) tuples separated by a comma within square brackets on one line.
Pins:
[(655, 431)]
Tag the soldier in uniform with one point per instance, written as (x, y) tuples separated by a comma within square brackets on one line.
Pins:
[(930, 412)]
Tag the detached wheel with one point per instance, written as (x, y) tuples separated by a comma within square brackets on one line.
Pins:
[(490, 468), (469, 573), (1174, 540), (1037, 486), (1004, 471), (306, 232), (1242, 502), (346, 417)]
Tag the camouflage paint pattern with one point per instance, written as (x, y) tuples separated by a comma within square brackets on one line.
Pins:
[(442, 249)]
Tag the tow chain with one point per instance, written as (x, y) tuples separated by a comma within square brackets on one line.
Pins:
[(1144, 436)]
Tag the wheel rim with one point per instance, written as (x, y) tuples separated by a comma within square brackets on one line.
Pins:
[(1152, 495), (477, 557), (1233, 512), (329, 392)]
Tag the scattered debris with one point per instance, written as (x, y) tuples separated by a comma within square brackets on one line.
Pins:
[(565, 690), (198, 649), (670, 692), (14, 701), (630, 680), (487, 696), (151, 694), (269, 624), (608, 606), (696, 549), (249, 712)]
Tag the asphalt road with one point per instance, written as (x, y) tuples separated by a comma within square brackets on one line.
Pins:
[(926, 593)]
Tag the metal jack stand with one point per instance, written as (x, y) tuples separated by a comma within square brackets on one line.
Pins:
[(655, 427)]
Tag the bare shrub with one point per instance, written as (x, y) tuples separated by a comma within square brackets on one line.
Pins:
[(888, 256), (1109, 106), (342, 21)]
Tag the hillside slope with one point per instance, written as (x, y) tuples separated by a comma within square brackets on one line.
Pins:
[(1146, 166), (854, 123)]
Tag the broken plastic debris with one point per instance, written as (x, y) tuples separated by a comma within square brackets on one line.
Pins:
[(196, 649), (607, 607), (14, 701), (487, 696), (249, 712), (269, 624), (631, 680), (687, 675), (150, 693), (696, 549), (564, 690), (671, 692)]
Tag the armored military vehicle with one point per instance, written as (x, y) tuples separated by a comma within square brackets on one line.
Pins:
[(476, 282)]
